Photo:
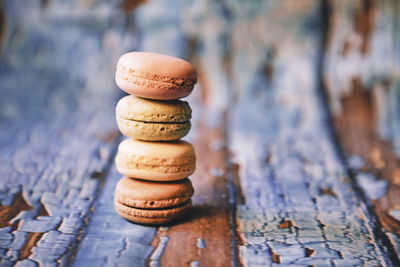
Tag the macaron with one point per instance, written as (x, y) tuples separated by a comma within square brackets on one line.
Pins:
[(155, 161), (153, 120), (149, 202), (155, 76)]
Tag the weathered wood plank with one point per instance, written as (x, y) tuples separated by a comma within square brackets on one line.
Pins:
[(300, 206), (204, 238), (57, 134), (361, 73), (109, 240)]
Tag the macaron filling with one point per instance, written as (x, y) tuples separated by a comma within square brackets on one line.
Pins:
[(153, 204), (189, 201), (162, 168), (160, 123)]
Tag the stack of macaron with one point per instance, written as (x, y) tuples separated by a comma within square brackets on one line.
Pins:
[(155, 188)]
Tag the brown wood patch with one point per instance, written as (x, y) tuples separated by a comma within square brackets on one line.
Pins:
[(7, 213), (129, 5), (355, 127), (31, 241), (204, 236), (363, 22)]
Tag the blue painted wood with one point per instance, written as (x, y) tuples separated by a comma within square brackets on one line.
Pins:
[(58, 133), (110, 240), (361, 77), (300, 207)]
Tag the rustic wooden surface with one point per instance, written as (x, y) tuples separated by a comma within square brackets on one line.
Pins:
[(295, 122)]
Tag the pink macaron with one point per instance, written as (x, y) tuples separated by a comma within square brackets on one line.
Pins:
[(155, 76)]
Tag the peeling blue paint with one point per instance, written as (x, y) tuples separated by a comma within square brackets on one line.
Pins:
[(373, 187)]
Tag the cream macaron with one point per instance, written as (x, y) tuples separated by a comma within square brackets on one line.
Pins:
[(153, 120), (150, 202), (155, 76), (156, 161)]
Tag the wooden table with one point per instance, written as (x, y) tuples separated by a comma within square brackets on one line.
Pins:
[(295, 125)]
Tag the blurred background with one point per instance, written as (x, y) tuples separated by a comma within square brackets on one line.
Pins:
[(322, 72)]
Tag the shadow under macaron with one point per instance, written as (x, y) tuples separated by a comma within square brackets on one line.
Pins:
[(194, 214)]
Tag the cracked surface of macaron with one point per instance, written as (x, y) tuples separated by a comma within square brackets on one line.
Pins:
[(156, 161), (153, 120), (155, 76), (149, 202)]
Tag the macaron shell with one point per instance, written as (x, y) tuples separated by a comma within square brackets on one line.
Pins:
[(152, 195), (156, 161), (158, 66), (140, 109), (150, 131), (155, 76), (152, 216)]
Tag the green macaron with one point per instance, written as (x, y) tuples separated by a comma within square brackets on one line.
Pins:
[(153, 120)]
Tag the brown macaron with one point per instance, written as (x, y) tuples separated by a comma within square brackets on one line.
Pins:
[(148, 202)]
